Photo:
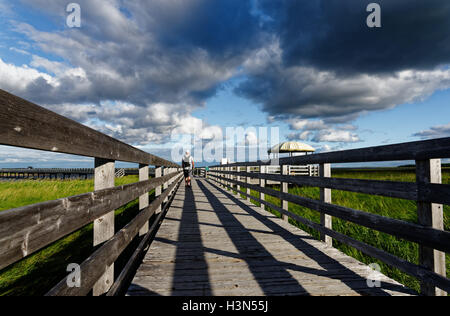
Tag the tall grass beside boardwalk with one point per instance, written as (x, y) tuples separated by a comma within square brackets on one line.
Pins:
[(389, 207), (38, 273)]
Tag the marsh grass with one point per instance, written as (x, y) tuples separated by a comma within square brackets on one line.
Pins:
[(38, 273)]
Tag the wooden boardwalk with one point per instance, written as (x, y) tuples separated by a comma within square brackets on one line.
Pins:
[(213, 243)]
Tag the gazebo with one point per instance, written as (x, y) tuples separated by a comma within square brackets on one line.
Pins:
[(291, 147)]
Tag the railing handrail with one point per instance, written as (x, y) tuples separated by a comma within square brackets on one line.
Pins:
[(27, 125), (419, 150)]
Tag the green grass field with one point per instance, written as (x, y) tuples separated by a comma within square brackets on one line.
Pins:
[(38, 273), (389, 207)]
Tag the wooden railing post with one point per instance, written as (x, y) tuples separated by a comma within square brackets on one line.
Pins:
[(224, 180), (104, 226), (158, 190), (285, 189), (325, 196), (238, 186), (248, 180), (262, 184), (431, 215), (166, 184), (143, 199)]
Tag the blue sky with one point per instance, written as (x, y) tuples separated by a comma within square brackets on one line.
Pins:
[(299, 66)]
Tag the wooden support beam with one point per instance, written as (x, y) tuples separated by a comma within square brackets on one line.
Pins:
[(325, 196), (285, 189), (104, 226), (430, 215), (248, 181), (143, 199), (158, 190), (262, 184), (166, 171), (238, 187)]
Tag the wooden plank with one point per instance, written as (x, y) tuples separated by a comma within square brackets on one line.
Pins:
[(434, 193), (24, 124), (96, 265), (430, 215), (417, 271), (238, 187), (125, 276), (427, 236), (158, 189), (202, 260), (144, 198), (325, 197), (262, 184), (285, 189), (166, 171), (104, 226), (27, 229), (247, 180)]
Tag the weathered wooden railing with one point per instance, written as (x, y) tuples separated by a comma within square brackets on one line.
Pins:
[(28, 229), (428, 191), (62, 173)]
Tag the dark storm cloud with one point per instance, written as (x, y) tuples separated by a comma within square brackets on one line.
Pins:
[(223, 28), (326, 63), (333, 35), (299, 59), (148, 51)]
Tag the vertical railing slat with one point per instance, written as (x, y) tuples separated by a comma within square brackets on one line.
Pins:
[(166, 184), (143, 199), (325, 196), (284, 170), (430, 214), (104, 226), (158, 190), (238, 187), (262, 184), (248, 181)]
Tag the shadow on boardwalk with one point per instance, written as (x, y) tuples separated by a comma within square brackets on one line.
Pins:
[(214, 243)]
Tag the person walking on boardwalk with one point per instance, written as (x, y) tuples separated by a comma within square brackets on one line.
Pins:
[(188, 165)]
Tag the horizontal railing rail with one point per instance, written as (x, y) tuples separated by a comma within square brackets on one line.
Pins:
[(28, 229), (27, 125), (420, 150), (428, 192)]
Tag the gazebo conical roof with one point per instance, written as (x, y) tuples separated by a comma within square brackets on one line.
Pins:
[(291, 147)]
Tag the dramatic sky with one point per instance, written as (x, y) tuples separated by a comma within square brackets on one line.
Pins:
[(140, 70)]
